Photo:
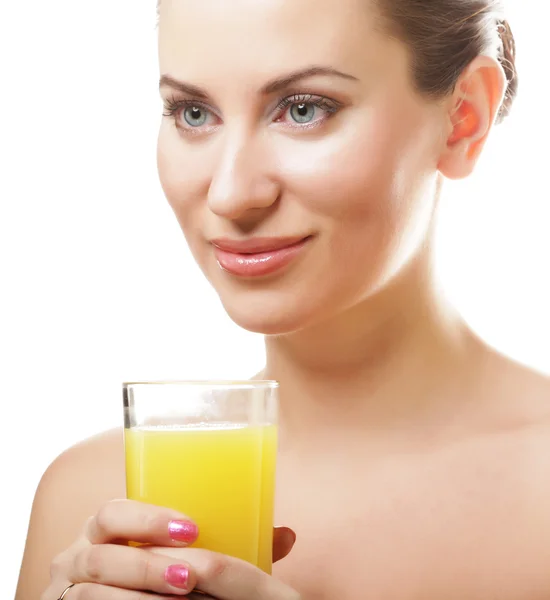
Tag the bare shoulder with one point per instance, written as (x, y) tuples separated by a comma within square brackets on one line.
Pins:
[(73, 488), (510, 416), (92, 471), (515, 391), (507, 459), (516, 398), (524, 378), (526, 398)]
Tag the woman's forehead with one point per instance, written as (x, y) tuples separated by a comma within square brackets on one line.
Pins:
[(270, 35), (297, 25)]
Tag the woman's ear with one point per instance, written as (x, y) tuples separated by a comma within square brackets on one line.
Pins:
[(471, 112)]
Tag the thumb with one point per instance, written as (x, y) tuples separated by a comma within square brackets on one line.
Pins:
[(283, 541)]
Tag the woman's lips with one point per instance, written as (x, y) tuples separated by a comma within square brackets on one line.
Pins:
[(258, 256)]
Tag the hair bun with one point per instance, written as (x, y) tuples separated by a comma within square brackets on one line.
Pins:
[(507, 58)]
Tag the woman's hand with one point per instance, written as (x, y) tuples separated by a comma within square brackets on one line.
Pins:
[(103, 566)]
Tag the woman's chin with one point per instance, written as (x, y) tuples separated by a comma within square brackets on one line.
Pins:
[(267, 319), (266, 324)]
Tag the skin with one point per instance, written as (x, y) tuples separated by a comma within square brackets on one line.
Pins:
[(427, 453)]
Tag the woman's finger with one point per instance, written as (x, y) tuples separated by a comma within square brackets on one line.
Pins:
[(228, 578), (132, 569), (86, 591), (128, 520), (283, 541)]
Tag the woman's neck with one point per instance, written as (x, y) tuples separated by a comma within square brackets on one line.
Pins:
[(385, 360)]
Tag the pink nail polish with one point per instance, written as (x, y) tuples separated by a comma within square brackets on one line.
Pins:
[(177, 575), (183, 531)]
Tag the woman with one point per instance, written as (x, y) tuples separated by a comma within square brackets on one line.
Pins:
[(303, 151)]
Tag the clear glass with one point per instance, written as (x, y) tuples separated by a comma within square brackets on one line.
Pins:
[(207, 449)]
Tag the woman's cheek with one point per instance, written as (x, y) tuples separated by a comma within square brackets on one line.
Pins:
[(339, 175), (183, 180)]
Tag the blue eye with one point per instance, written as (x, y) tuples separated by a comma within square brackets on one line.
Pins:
[(195, 116), (306, 110), (303, 112)]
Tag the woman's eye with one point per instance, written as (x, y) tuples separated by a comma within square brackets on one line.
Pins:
[(306, 111), (195, 116), (189, 116), (303, 112)]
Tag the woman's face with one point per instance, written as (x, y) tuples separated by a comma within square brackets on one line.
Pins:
[(294, 123)]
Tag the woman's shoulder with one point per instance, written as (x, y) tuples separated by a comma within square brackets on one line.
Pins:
[(508, 401), (509, 383), (81, 479), (101, 452), (72, 489), (96, 462)]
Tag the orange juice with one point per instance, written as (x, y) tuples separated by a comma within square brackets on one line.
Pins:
[(221, 476)]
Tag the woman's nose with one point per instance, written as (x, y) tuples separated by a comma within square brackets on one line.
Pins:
[(242, 182)]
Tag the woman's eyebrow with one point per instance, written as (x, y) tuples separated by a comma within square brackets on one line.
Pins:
[(271, 87), (280, 83), (182, 86)]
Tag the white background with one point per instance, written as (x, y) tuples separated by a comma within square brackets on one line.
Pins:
[(96, 283)]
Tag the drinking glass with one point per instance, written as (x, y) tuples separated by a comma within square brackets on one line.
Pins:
[(207, 449)]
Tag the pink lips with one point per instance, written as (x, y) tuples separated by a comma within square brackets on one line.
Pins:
[(258, 256)]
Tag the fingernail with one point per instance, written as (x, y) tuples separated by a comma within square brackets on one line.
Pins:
[(183, 531), (292, 535), (177, 575)]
